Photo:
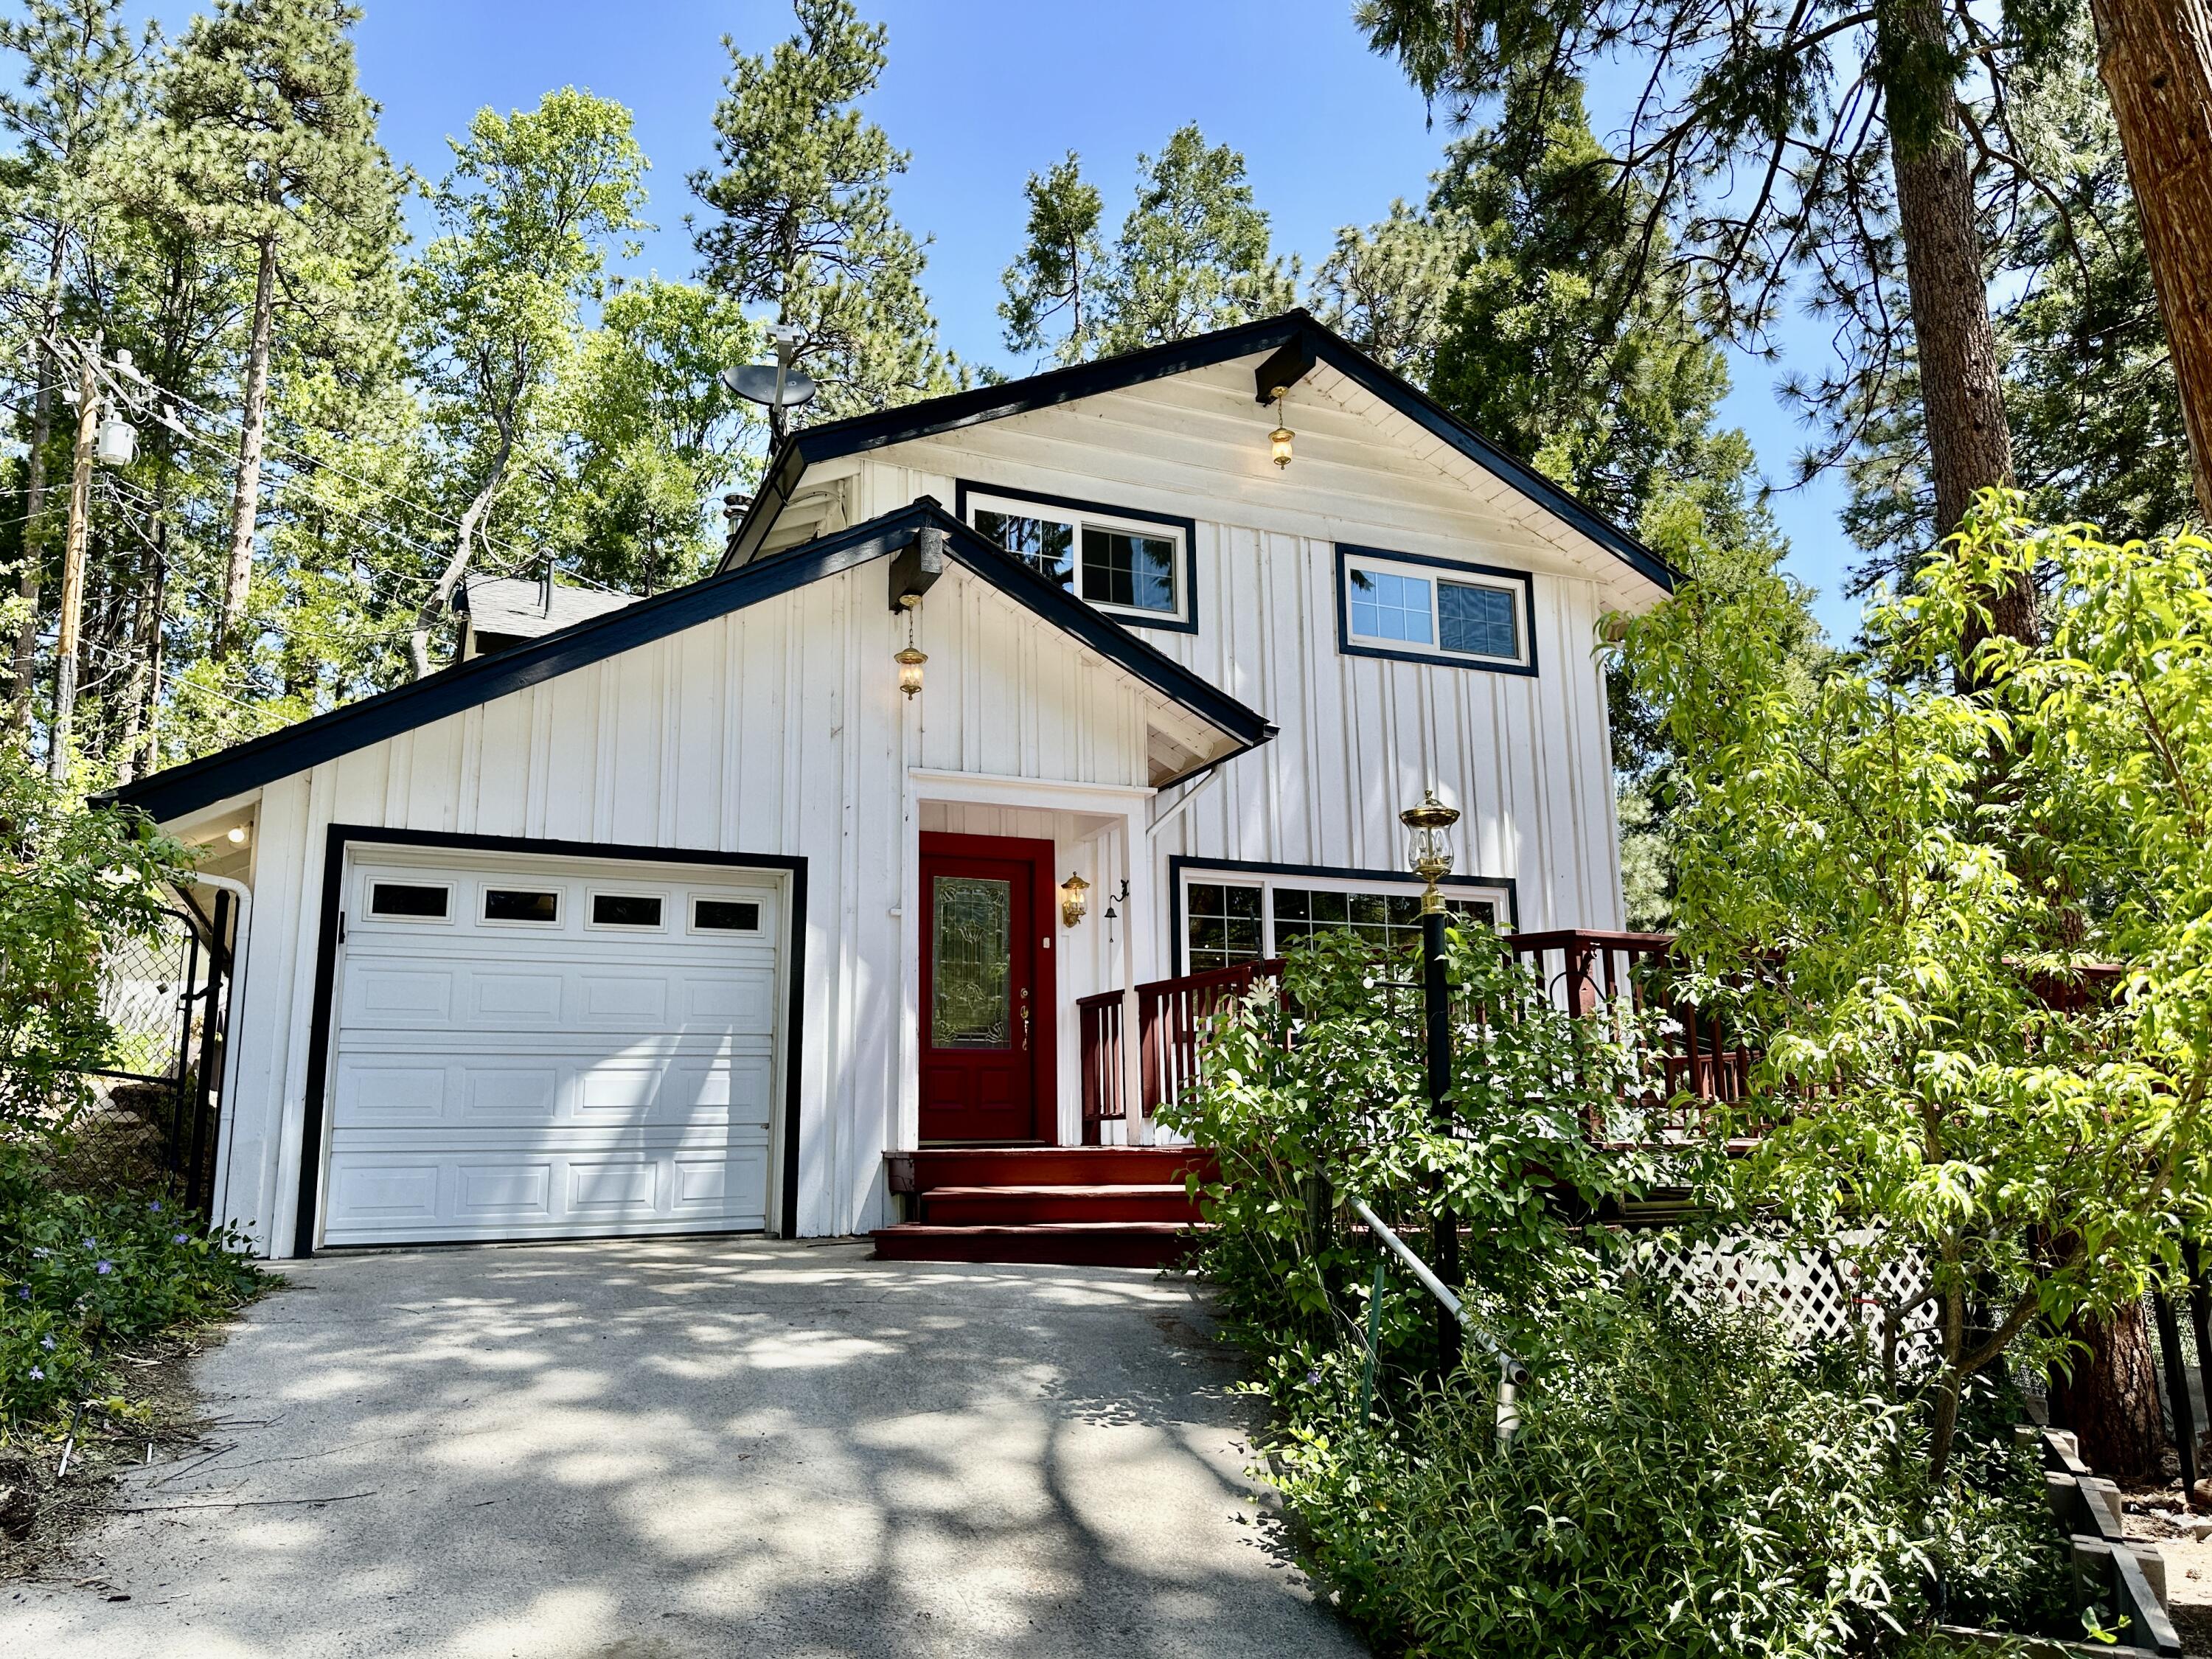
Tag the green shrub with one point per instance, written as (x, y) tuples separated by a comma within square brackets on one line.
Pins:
[(80, 1274), (74, 882), (1682, 1483)]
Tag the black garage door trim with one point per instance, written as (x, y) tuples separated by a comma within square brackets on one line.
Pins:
[(313, 1152)]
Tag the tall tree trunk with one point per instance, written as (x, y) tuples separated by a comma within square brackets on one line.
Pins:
[(2155, 57), (246, 497), (1961, 386), (146, 666), (434, 608), (24, 667), (2111, 1400)]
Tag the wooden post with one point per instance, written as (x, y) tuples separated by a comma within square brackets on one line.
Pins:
[(80, 527)]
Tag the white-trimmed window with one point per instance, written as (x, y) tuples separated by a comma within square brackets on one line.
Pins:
[(1234, 915), (1396, 604), (1134, 567)]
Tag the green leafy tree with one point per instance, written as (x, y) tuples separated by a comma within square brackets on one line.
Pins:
[(1886, 882), (657, 437), (524, 220), (74, 884), (1058, 274), (266, 141), (802, 222)]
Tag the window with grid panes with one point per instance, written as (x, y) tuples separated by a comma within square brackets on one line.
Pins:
[(1223, 925)]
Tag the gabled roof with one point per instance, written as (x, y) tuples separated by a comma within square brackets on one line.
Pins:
[(1294, 329), (181, 789)]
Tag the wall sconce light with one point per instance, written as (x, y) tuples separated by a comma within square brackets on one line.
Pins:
[(910, 659), (1428, 845), (1072, 901), (1281, 436)]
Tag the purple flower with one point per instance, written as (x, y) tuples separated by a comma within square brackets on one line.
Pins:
[(103, 1267), (47, 1341), (23, 1292), (91, 1243), (1313, 1377), (37, 1376), (180, 1239)]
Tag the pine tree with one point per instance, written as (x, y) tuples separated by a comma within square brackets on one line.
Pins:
[(1059, 270), (525, 219), (803, 223), (79, 70), (1192, 255), (1827, 143), (266, 141), (1384, 289)]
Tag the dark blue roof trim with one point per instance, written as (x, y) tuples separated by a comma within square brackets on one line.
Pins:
[(861, 433), (181, 789)]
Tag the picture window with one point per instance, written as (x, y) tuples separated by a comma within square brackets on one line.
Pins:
[(1433, 610)]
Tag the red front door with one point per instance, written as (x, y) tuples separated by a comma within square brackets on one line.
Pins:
[(987, 1022)]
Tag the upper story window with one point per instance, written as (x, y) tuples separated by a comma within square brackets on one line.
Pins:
[(1135, 567), (1423, 610)]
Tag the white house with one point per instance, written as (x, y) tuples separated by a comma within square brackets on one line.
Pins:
[(683, 916)]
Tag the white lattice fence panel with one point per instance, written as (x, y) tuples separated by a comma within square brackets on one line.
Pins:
[(1818, 1299)]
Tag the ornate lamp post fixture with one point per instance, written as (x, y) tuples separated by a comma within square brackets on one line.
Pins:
[(1429, 854)]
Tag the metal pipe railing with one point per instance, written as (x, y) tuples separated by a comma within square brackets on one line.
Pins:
[(1512, 1374)]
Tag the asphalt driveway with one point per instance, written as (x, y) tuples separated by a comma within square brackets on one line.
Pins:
[(652, 1450)]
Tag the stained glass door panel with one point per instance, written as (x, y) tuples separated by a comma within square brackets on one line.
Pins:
[(986, 1004)]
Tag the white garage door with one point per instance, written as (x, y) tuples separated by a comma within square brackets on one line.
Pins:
[(525, 1046)]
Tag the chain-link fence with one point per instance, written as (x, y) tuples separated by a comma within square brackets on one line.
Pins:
[(156, 1095)]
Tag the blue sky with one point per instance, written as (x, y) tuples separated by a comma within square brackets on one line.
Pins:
[(983, 92)]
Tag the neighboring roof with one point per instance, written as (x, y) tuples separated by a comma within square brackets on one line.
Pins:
[(815, 444), (186, 788), (515, 607)]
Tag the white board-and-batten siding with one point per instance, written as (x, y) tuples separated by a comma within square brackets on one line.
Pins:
[(1526, 758), (777, 730)]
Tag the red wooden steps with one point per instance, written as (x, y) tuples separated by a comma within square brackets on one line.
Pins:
[(1067, 1205)]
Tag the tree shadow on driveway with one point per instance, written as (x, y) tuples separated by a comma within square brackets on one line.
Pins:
[(711, 1446)]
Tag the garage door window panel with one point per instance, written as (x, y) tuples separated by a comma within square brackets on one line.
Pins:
[(710, 915), (533, 906), (628, 912), (407, 901)]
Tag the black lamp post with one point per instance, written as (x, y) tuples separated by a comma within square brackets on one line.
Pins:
[(1429, 852)]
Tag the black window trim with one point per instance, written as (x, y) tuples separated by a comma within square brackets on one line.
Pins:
[(1180, 865), (963, 489), (1347, 552)]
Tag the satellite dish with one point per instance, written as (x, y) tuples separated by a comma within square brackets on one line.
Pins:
[(771, 384)]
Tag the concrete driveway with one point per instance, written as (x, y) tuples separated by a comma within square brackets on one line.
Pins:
[(641, 1450)]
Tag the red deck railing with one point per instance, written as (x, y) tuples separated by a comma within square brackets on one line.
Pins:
[(1586, 971)]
